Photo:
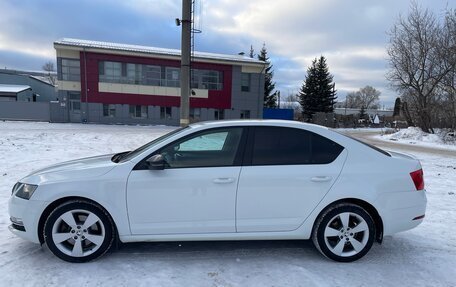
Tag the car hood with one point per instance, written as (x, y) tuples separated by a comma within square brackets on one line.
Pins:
[(70, 170)]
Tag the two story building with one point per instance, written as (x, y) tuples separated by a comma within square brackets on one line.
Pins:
[(118, 83)]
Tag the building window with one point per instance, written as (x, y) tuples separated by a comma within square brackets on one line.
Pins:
[(152, 75), (134, 74), (195, 114), (109, 110), (138, 74), (110, 72), (245, 114), (207, 79), (219, 114), (74, 102), (172, 77), (70, 70), (138, 112), (245, 82), (165, 113)]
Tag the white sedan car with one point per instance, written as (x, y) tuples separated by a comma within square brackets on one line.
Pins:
[(224, 180)]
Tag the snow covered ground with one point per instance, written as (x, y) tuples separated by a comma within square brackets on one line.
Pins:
[(416, 136), (425, 256)]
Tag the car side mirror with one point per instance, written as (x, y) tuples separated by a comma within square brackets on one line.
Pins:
[(156, 162)]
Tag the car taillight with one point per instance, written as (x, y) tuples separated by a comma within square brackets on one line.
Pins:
[(418, 179)]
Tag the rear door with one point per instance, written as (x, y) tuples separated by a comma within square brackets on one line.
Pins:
[(286, 174)]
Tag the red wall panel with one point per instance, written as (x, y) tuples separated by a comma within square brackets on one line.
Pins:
[(89, 66)]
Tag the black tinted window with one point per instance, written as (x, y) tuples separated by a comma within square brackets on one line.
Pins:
[(275, 145)]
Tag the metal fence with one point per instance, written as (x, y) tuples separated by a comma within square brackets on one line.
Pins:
[(25, 111)]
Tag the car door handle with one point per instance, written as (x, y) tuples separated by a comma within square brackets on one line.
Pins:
[(223, 180), (320, 178)]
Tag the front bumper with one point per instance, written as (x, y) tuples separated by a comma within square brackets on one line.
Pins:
[(29, 212), (402, 211)]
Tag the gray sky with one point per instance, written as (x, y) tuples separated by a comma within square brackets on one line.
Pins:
[(351, 34)]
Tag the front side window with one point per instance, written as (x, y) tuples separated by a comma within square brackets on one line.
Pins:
[(289, 146), (206, 149)]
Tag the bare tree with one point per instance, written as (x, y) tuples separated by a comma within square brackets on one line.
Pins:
[(367, 97), (49, 68), (448, 86), (415, 62), (292, 102)]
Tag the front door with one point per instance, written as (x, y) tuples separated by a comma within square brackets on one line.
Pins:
[(74, 107), (195, 193)]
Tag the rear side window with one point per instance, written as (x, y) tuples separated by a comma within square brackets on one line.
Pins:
[(364, 143), (289, 146)]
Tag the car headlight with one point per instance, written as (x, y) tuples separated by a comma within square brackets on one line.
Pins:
[(24, 190)]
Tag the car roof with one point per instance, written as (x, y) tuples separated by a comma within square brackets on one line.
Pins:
[(256, 122)]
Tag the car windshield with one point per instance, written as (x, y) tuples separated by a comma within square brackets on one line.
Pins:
[(158, 140)]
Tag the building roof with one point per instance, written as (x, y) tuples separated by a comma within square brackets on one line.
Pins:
[(13, 88), (153, 50), (26, 72)]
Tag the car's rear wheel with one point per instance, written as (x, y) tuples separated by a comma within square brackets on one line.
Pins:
[(79, 231), (344, 232)]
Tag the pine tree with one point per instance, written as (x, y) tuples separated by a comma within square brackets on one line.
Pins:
[(270, 99), (397, 107), (318, 92), (326, 87), (308, 92), (252, 52)]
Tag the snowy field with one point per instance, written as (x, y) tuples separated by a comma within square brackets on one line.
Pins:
[(425, 256)]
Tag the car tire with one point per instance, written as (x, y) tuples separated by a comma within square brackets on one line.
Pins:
[(79, 231), (344, 232)]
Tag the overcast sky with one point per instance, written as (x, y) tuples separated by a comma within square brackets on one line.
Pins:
[(351, 34)]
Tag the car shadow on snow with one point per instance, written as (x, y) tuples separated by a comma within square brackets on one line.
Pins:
[(203, 249)]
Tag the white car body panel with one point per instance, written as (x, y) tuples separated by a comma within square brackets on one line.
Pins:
[(228, 211), (280, 198), (183, 200)]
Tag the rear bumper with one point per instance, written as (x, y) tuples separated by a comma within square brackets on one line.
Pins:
[(401, 211)]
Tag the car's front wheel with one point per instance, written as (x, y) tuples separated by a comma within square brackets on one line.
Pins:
[(79, 231), (344, 232)]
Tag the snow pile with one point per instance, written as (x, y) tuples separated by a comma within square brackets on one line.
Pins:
[(416, 134), (413, 135)]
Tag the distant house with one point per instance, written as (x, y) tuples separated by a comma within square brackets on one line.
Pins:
[(40, 89), (15, 93)]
